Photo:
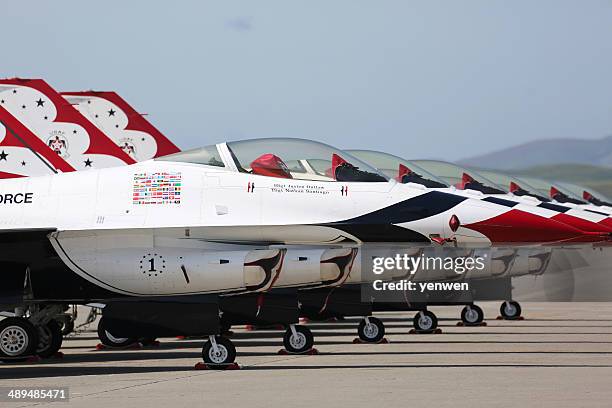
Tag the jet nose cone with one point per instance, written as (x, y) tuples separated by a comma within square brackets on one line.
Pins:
[(591, 231), (606, 222), (520, 227)]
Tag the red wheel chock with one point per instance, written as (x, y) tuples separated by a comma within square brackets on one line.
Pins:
[(204, 366), (384, 340)]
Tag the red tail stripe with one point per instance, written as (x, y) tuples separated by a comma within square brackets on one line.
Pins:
[(135, 120), (99, 143), (34, 142)]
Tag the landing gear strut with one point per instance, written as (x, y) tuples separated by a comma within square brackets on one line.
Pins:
[(510, 310), (218, 351), (371, 330), (472, 315), (425, 322), (298, 339)]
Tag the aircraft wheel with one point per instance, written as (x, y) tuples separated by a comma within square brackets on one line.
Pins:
[(18, 339), (49, 339), (472, 314), (300, 341), (510, 310), (219, 350), (111, 341), (371, 330), (425, 321)]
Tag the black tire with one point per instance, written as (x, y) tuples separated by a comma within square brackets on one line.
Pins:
[(510, 310), (226, 352), (472, 315), (49, 339), (425, 322), (372, 333), (300, 344), (67, 326), (18, 339), (111, 341)]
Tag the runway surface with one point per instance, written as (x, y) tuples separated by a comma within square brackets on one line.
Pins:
[(559, 356)]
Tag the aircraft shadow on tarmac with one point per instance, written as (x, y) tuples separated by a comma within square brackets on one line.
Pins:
[(71, 371)]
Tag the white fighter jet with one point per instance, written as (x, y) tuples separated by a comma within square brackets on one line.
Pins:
[(303, 264), (164, 235)]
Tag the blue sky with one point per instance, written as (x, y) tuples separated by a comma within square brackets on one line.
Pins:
[(443, 79)]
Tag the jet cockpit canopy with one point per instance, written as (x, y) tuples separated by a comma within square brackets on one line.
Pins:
[(513, 185), (460, 177), (589, 194), (554, 190), (283, 158), (402, 170)]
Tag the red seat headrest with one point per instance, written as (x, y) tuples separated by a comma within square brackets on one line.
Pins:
[(336, 162), (465, 179), (403, 171), (554, 192), (270, 165), (514, 187)]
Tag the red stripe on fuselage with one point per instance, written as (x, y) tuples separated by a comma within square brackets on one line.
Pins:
[(517, 226)]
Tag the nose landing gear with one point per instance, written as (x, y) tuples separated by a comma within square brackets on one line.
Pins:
[(510, 310), (472, 315), (425, 322), (298, 339), (371, 330), (218, 351)]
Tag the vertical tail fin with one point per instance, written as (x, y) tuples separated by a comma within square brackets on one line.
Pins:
[(122, 123), (47, 115), (22, 154)]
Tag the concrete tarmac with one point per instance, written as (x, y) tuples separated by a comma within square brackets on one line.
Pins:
[(559, 356)]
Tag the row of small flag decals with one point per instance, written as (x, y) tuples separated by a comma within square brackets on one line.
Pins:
[(157, 188)]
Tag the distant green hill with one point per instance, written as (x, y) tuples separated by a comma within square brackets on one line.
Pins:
[(549, 152), (596, 177)]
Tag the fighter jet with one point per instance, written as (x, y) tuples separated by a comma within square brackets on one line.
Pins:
[(113, 116), (449, 177), (164, 235), (109, 112), (471, 183), (563, 200)]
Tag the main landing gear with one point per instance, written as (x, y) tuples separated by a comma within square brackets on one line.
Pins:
[(371, 330), (50, 339), (109, 340), (472, 315), (31, 332), (425, 322), (18, 339), (510, 310)]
